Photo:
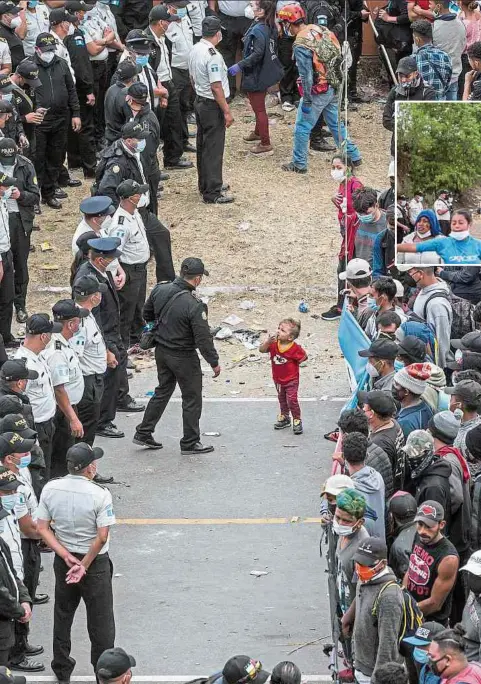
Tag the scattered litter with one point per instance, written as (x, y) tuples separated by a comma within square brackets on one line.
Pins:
[(223, 333), (46, 247), (211, 434), (232, 320), (290, 446), (254, 358), (315, 316), (238, 359), (49, 267), (303, 306), (118, 574), (324, 397), (214, 331), (244, 225), (258, 573), (247, 305), (295, 518), (149, 394), (235, 391), (249, 338)]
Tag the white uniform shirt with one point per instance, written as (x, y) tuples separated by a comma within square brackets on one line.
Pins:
[(89, 346), (181, 35), (440, 204), (5, 56), (196, 12), (206, 66), (414, 209), (26, 489), (105, 18), (133, 238), (93, 29), (37, 22), (11, 533), (147, 76), (62, 52), (39, 391), (233, 8), (79, 507), (164, 71), (4, 231), (65, 367)]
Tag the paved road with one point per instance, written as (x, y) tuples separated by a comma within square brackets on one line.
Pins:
[(184, 597)]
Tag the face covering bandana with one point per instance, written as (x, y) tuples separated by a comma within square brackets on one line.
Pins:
[(248, 12), (15, 23), (9, 501), (337, 175), (419, 463), (140, 147), (25, 461), (341, 530), (366, 218), (434, 665), (366, 573), (461, 235), (420, 656), (423, 235), (47, 57), (372, 371), (142, 60), (474, 583)]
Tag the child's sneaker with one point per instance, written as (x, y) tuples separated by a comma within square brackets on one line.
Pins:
[(297, 426), (282, 422)]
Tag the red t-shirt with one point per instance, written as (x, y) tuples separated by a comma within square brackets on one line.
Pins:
[(470, 675), (285, 364)]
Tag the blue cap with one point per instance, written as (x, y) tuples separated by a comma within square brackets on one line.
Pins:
[(107, 246), (97, 206), (424, 634)]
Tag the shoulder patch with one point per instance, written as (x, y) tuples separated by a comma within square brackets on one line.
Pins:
[(2, 40), (116, 168), (58, 345), (212, 51), (121, 220), (204, 315)]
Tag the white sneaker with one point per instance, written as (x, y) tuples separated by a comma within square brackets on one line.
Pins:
[(288, 106)]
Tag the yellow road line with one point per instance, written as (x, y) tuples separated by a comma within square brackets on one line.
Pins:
[(216, 521)]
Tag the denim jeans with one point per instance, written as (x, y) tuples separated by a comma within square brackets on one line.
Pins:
[(325, 103), (452, 92)]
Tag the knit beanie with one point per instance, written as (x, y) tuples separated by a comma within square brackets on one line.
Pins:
[(413, 377), (444, 426), (473, 442)]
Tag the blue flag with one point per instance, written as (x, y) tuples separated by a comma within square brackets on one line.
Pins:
[(352, 339)]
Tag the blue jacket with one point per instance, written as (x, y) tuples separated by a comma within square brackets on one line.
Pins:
[(260, 64)]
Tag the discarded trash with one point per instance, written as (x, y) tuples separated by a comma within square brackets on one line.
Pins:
[(244, 225), (258, 573), (232, 320), (46, 247), (295, 518), (303, 306), (211, 434), (223, 334), (290, 446), (149, 394), (49, 267), (254, 358), (118, 574), (315, 316), (247, 305), (238, 359), (249, 338), (235, 391)]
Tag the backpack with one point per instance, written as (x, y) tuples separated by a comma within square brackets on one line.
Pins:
[(326, 51), (463, 321), (327, 14), (411, 618)]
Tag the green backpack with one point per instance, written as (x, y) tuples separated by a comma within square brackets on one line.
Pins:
[(327, 51)]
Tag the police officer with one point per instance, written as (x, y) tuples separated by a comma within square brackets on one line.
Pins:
[(125, 75), (176, 355), (25, 81), (121, 161), (21, 204), (134, 14), (61, 25), (9, 21), (13, 127), (39, 390), (209, 75), (139, 46), (7, 286), (234, 25), (83, 514), (127, 225), (96, 212), (115, 665), (37, 21), (106, 18), (68, 382)]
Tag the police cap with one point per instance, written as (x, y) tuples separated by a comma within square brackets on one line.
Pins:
[(179, 3), (107, 246), (37, 324), (130, 187), (66, 309), (101, 205), (210, 26), (134, 130), (77, 6), (113, 663), (29, 72), (60, 14), (82, 242), (6, 107), (138, 92), (12, 443), (6, 181), (10, 403), (127, 70), (161, 13), (8, 481), (138, 42), (192, 267), (8, 148), (16, 369), (9, 8), (87, 285), (45, 41), (6, 85), (81, 455), (15, 422)]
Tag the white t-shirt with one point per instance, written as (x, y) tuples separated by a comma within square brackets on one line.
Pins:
[(440, 204)]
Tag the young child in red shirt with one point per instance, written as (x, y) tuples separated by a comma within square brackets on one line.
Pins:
[(286, 355)]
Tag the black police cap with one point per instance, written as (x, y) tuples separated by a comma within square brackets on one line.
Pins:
[(193, 266), (113, 663), (66, 309), (134, 130), (130, 187), (15, 422), (87, 285), (38, 324), (81, 455), (138, 92), (16, 369), (29, 72)]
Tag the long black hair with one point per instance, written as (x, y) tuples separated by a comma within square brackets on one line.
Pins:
[(269, 7)]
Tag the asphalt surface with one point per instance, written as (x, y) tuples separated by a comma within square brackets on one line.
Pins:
[(185, 600)]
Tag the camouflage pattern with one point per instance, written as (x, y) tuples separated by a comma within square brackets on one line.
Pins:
[(420, 443)]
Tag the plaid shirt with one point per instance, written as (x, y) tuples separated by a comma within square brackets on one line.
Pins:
[(435, 68)]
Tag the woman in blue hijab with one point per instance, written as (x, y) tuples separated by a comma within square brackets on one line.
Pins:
[(427, 227)]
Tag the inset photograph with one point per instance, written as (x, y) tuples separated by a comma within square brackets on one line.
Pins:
[(438, 183)]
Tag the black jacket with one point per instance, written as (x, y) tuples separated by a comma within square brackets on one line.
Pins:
[(38, 460), (184, 327), (401, 548), (81, 63), (135, 14), (24, 172), (10, 605), (57, 92), (114, 105), (23, 100), (433, 485), (115, 165), (14, 43), (464, 282), (260, 64), (378, 459), (13, 127), (422, 92)]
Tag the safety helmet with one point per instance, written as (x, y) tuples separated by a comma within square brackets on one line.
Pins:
[(292, 14)]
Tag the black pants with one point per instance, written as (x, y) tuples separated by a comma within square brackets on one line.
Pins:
[(88, 408), (62, 441), (99, 68), (96, 591), (7, 296), (112, 64), (171, 120), (172, 369), (233, 29), (445, 226), (210, 147), (5, 653), (183, 86), (20, 241), (159, 241), (355, 44), (288, 83), (131, 298), (81, 146), (114, 378), (46, 432), (31, 569), (51, 146)]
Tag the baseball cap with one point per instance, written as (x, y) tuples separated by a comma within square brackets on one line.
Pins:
[(29, 72), (130, 187), (45, 42), (100, 205), (379, 401), (13, 443), (381, 349), (8, 148), (211, 26), (134, 130), (370, 551), (402, 505), (161, 13), (82, 241), (15, 422), (10, 403), (9, 8), (41, 323), (469, 342), (127, 70), (406, 65), (106, 246), (193, 266), (6, 675), (6, 107), (413, 348), (6, 85), (16, 369), (356, 268), (81, 455), (425, 633), (419, 443), (66, 309), (60, 14), (139, 92), (8, 481), (139, 42), (5, 180), (430, 513), (405, 268), (113, 663), (474, 564), (240, 669), (399, 286), (87, 285), (77, 6), (467, 390), (336, 484)]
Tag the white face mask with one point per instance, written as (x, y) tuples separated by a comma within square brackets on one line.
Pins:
[(461, 235), (47, 57), (372, 370), (143, 202), (15, 23), (71, 29), (341, 530), (337, 175), (423, 235), (249, 12)]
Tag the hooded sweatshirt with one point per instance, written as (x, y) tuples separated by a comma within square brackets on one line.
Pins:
[(401, 548), (433, 485), (449, 34), (459, 483), (370, 484), (439, 317), (433, 395), (376, 637)]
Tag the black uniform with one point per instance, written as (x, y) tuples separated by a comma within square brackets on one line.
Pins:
[(116, 165), (233, 30), (12, 594), (21, 225), (422, 92), (115, 111), (58, 94), (134, 14), (14, 43), (81, 146), (13, 127), (23, 99), (176, 356)]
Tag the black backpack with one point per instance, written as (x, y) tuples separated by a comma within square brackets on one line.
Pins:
[(412, 616), (327, 14), (463, 321)]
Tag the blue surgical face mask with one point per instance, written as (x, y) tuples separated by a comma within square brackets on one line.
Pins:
[(142, 60), (7, 97), (140, 147), (7, 194), (181, 12), (371, 302), (25, 461), (420, 656), (9, 501), (366, 218), (32, 4)]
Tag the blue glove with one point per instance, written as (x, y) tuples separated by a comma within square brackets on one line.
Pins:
[(234, 70), (306, 109)]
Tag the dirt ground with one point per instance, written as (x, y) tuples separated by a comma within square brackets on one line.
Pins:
[(281, 235)]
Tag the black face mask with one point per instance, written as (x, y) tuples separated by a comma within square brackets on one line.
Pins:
[(397, 394), (409, 281), (474, 583), (387, 336)]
